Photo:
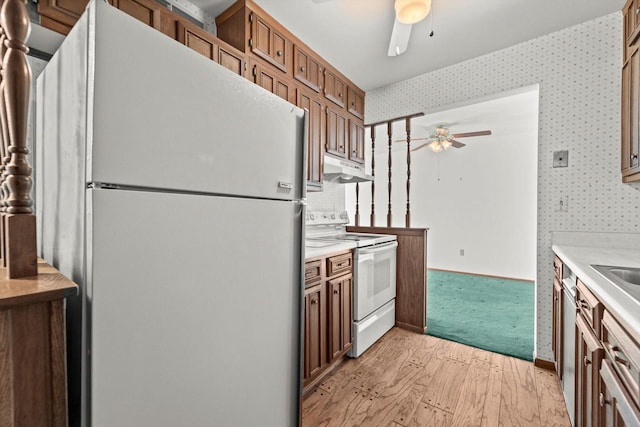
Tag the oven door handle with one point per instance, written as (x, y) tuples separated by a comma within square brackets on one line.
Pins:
[(378, 248)]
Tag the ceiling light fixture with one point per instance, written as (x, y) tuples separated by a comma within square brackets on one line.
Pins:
[(412, 11)]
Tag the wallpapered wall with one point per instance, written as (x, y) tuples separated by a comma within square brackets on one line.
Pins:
[(578, 70)]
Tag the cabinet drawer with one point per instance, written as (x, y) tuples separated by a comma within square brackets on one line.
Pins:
[(624, 352), (339, 264), (557, 268), (589, 306), (312, 271)]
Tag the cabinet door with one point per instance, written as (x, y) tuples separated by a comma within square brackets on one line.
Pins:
[(314, 139), (307, 69), (334, 88), (231, 59), (197, 39), (268, 43), (355, 103), (616, 406), (589, 354), (272, 81), (340, 315), (634, 112), (356, 141), (337, 134), (145, 11), (557, 326), (315, 353), (65, 12)]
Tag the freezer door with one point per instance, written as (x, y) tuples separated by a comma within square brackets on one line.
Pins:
[(195, 310), (165, 116)]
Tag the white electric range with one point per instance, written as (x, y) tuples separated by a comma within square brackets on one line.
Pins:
[(374, 275)]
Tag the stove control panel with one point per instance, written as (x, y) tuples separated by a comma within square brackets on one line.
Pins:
[(326, 217)]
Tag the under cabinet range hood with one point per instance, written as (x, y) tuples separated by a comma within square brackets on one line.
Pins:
[(343, 171)]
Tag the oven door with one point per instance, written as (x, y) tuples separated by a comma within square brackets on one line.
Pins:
[(375, 278)]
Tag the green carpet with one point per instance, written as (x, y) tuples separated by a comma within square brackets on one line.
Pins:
[(483, 312)]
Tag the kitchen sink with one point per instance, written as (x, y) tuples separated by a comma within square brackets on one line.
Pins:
[(627, 278)]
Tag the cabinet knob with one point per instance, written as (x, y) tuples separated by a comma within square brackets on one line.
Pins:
[(302, 69), (279, 53), (314, 301), (335, 292), (340, 95), (634, 156), (586, 361), (638, 11)]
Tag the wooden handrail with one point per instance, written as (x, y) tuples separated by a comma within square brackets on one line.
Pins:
[(18, 231)]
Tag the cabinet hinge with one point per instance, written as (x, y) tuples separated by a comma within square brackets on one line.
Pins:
[(251, 17), (255, 71), (250, 42)]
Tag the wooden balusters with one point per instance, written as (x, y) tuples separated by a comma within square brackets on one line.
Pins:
[(408, 214), (372, 218), (19, 237), (389, 134)]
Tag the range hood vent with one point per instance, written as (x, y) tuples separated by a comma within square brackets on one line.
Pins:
[(344, 172)]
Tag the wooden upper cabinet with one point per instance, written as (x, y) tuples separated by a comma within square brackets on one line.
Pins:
[(268, 42), (197, 39), (355, 102), (337, 135), (315, 150), (630, 131), (60, 15), (271, 80), (231, 59), (334, 88), (145, 11), (631, 22), (356, 141), (307, 69)]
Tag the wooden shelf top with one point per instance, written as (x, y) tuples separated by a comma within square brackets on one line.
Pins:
[(48, 285)]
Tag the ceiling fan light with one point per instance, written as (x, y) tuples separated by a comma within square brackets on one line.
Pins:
[(446, 144), (435, 146), (412, 11)]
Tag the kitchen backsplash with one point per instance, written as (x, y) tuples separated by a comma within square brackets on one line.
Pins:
[(597, 240), (331, 198)]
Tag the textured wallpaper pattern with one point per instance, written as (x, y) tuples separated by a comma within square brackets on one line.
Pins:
[(578, 70)]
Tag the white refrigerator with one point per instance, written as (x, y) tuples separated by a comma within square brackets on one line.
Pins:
[(172, 191)]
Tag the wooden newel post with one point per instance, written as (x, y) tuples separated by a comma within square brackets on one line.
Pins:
[(19, 222)]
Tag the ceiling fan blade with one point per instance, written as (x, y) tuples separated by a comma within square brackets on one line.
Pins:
[(456, 144), (420, 146), (412, 139), (399, 38), (468, 134)]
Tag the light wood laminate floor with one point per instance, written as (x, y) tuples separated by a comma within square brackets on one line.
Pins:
[(408, 379)]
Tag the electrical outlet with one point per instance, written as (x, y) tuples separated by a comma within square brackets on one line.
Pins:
[(561, 159), (461, 252)]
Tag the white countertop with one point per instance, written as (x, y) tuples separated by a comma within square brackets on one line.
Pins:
[(625, 308), (312, 252)]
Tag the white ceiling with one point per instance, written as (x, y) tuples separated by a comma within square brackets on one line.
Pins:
[(353, 35)]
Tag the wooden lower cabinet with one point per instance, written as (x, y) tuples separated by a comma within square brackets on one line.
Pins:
[(328, 317), (340, 315), (589, 353), (617, 407), (315, 337)]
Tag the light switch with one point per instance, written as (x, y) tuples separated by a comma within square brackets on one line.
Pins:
[(561, 159)]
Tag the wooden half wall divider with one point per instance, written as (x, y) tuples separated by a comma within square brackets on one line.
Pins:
[(411, 275), (33, 374)]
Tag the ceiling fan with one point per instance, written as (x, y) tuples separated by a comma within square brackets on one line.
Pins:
[(441, 139), (408, 12)]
